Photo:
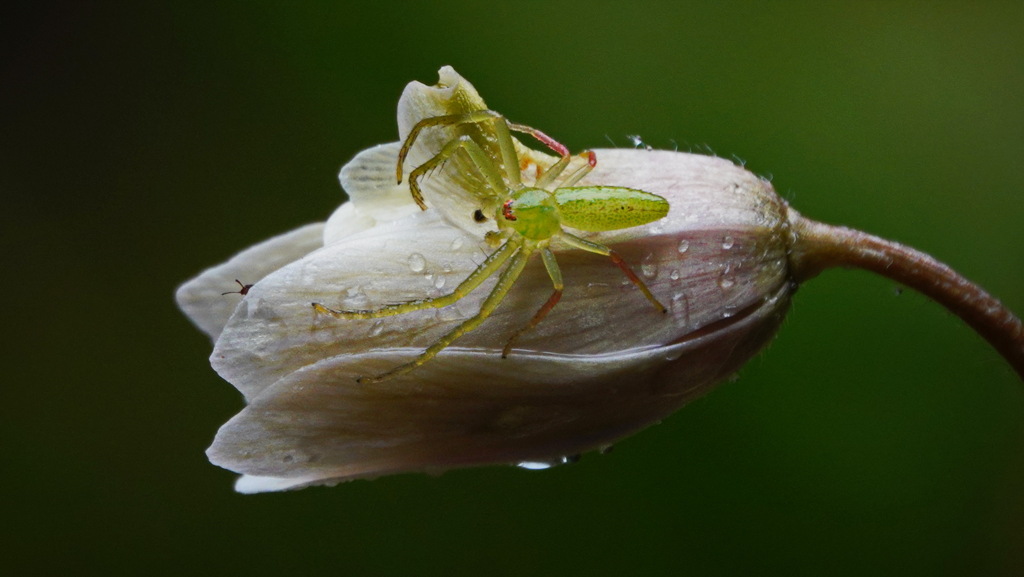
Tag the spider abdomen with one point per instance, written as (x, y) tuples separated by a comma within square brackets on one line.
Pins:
[(600, 208)]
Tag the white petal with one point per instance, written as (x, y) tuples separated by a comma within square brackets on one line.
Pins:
[(317, 426), (345, 221), (704, 191), (276, 331), (369, 179), (725, 267), (201, 299)]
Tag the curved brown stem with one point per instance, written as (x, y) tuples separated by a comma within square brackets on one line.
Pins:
[(817, 246)]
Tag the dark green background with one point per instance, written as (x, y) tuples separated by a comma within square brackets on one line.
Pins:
[(142, 143)]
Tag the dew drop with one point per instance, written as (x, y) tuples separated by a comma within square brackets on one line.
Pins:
[(728, 242), (681, 307), (648, 266), (439, 281), (684, 245), (726, 283), (376, 328), (457, 243), (674, 275), (541, 465), (416, 262)]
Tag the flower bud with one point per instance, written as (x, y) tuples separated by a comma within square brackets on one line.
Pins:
[(602, 365)]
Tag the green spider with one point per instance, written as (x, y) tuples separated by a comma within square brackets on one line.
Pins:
[(528, 218)]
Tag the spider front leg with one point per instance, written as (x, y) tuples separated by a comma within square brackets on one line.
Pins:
[(557, 168), (582, 171), (502, 136), (505, 282), (483, 164), (506, 146), (475, 278)]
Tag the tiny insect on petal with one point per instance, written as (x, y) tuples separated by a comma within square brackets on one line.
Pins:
[(243, 290)]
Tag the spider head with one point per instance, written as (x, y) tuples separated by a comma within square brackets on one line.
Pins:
[(531, 212)]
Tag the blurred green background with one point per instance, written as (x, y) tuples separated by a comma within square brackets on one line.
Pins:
[(143, 142)]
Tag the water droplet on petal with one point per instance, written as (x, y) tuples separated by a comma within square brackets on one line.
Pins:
[(457, 243), (674, 275), (534, 465), (649, 267), (416, 262), (684, 245), (377, 328), (728, 242), (726, 283), (541, 465), (439, 281)]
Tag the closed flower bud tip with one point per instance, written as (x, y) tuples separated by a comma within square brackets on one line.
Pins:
[(601, 364)]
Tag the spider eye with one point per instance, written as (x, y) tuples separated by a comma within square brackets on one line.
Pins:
[(478, 215)]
